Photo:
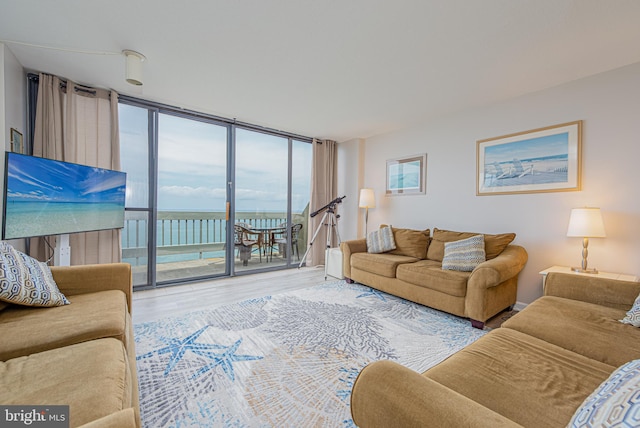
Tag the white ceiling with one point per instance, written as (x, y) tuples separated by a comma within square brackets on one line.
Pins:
[(336, 69)]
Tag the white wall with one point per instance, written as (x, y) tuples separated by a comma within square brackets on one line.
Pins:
[(13, 109), (4, 131), (609, 105), (351, 176), (15, 95)]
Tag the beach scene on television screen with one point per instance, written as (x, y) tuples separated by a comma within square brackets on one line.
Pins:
[(46, 197)]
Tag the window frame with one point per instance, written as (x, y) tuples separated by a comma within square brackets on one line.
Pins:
[(155, 109)]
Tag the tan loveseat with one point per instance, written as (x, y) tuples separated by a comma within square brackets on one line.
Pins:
[(414, 272), (81, 354), (534, 371)]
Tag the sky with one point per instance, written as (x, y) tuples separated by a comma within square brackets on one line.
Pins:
[(551, 145), (192, 166), (37, 179)]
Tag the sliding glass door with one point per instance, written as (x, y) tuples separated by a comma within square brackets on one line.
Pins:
[(191, 215)]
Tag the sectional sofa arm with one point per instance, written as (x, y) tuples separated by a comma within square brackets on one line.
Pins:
[(386, 394), (348, 248), (497, 270), (85, 279), (612, 293)]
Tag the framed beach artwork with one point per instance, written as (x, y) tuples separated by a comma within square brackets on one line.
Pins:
[(17, 144), (407, 175), (541, 160)]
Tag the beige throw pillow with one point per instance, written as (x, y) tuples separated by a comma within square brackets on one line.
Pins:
[(493, 244), (380, 241), (411, 243), (464, 255)]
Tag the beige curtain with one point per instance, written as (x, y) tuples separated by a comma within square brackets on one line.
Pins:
[(324, 189), (80, 125)]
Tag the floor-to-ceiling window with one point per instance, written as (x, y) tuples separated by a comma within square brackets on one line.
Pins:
[(272, 191), (134, 143), (207, 197), (261, 192)]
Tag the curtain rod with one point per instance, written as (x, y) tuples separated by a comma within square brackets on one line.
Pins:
[(63, 84)]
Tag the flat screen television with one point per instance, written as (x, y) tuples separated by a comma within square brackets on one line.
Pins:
[(49, 197)]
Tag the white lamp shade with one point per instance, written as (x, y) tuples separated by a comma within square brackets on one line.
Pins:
[(133, 73), (367, 198), (586, 223)]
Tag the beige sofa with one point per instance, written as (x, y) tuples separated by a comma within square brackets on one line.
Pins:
[(414, 272), (534, 371), (81, 354)]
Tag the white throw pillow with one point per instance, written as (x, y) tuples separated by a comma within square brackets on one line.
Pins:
[(381, 240), (615, 403), (26, 281), (633, 316), (464, 255)]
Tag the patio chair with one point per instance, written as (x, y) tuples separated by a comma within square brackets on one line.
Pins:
[(245, 239), (281, 240)]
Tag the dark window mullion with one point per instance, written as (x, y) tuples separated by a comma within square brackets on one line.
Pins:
[(153, 195)]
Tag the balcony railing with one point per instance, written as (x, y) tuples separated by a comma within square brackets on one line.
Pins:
[(192, 232)]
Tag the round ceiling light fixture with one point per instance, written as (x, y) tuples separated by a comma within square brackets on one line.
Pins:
[(133, 73)]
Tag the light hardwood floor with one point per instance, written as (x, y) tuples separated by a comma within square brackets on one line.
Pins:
[(151, 305)]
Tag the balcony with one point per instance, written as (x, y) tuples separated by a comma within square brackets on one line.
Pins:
[(192, 244)]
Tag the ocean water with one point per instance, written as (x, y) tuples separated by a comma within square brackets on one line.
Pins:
[(25, 219)]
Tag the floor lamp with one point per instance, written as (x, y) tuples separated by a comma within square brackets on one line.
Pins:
[(585, 223), (367, 200)]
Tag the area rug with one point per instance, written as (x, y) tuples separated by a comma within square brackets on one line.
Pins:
[(287, 360)]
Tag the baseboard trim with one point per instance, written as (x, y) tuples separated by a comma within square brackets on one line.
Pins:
[(520, 306)]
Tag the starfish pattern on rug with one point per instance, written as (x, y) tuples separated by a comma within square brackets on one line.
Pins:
[(372, 292), (179, 347), (224, 359)]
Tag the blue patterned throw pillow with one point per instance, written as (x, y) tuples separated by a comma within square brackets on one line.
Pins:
[(464, 255), (381, 240), (615, 403), (633, 316), (26, 281)]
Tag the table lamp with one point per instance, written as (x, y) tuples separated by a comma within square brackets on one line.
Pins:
[(367, 200), (585, 223)]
